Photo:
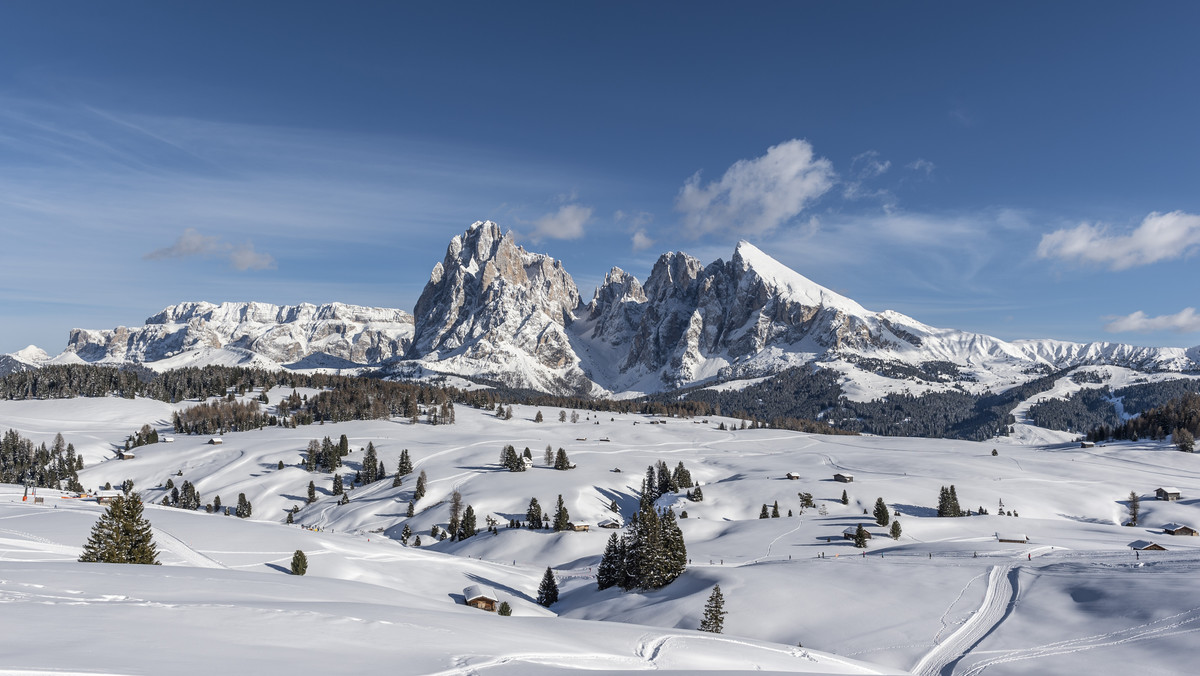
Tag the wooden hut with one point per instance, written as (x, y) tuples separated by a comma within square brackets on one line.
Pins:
[(1178, 529), (1020, 538), (851, 531), (1169, 493), (1146, 546), (843, 478), (483, 598)]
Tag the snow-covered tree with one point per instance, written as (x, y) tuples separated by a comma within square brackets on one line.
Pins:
[(714, 612), (548, 589)]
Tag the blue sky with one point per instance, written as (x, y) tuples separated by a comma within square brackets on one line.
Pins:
[(1017, 169)]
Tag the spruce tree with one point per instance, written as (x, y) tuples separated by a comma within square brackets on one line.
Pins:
[(217, 504), (299, 563), (412, 509), (895, 530), (562, 519), (370, 465), (1135, 506), (611, 571), (504, 610), (337, 484), (533, 515), (674, 551), (244, 508), (405, 467), (312, 495), (765, 513), (954, 509), (121, 535), (405, 534), (538, 418), (860, 537), (548, 589), (845, 498), (560, 460), (467, 527), (882, 516), (419, 491), (775, 510), (290, 518), (714, 612)]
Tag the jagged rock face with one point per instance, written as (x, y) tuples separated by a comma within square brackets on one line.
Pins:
[(493, 309), (284, 334), (616, 309)]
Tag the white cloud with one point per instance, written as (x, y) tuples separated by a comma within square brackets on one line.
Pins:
[(566, 223), (641, 240), (868, 165), (192, 243), (922, 165), (756, 196), (1184, 321), (1160, 237)]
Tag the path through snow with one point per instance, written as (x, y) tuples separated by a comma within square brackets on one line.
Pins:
[(991, 612)]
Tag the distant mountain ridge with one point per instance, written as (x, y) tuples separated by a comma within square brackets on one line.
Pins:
[(492, 310)]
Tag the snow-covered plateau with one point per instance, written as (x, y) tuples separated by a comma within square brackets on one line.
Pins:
[(946, 597)]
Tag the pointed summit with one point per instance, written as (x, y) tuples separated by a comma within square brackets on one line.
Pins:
[(795, 286)]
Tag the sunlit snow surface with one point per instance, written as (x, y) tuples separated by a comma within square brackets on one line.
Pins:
[(945, 598)]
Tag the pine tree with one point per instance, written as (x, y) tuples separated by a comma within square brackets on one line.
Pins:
[(538, 418), (682, 477), (290, 518), (337, 484), (312, 495), (860, 537), (845, 498), (1135, 506), (511, 461), (504, 610), (548, 589), (953, 507), (244, 508), (674, 551), (405, 467), (419, 491), (562, 519), (560, 460), (775, 510), (895, 530), (412, 509), (533, 515), (405, 534), (370, 465), (611, 571), (217, 504), (467, 527), (714, 612), (765, 513), (882, 516), (121, 535), (548, 456), (299, 563)]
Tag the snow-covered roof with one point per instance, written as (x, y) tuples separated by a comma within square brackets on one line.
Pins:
[(609, 523), (1173, 526), (477, 591), (1169, 489), (851, 530), (1021, 537), (1141, 544)]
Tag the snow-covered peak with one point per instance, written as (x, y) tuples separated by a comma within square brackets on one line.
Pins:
[(795, 286), (32, 354)]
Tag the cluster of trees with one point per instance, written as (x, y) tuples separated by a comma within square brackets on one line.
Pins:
[(1179, 417), (651, 554), (536, 519), (121, 535), (1087, 409), (218, 417), (511, 461), (184, 497), (56, 466), (948, 503), (462, 523), (145, 435)]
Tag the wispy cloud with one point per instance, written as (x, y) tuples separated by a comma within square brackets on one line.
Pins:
[(1184, 321), (756, 196), (565, 223), (1160, 237), (641, 241), (193, 244), (921, 165)]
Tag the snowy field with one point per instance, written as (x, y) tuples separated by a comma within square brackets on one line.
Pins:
[(946, 597)]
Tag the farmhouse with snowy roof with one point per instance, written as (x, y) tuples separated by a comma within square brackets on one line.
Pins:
[(1012, 537), (1146, 546), (483, 598), (850, 532), (1178, 529), (1167, 493)]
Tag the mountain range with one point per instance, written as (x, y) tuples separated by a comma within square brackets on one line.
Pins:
[(493, 311)]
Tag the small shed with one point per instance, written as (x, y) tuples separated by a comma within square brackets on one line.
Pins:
[(579, 527), (851, 531), (125, 455), (483, 598), (216, 441), (609, 523), (1087, 444), (1020, 538), (1146, 546), (167, 440), (844, 478), (1169, 493), (528, 462), (1178, 529), (107, 496), (793, 476)]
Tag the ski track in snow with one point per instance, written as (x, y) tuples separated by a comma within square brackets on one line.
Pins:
[(995, 601), (1167, 626), (174, 545)]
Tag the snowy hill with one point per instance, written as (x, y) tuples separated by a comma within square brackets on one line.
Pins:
[(494, 311), (946, 597)]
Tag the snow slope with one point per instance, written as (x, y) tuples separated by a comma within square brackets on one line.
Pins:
[(928, 600)]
